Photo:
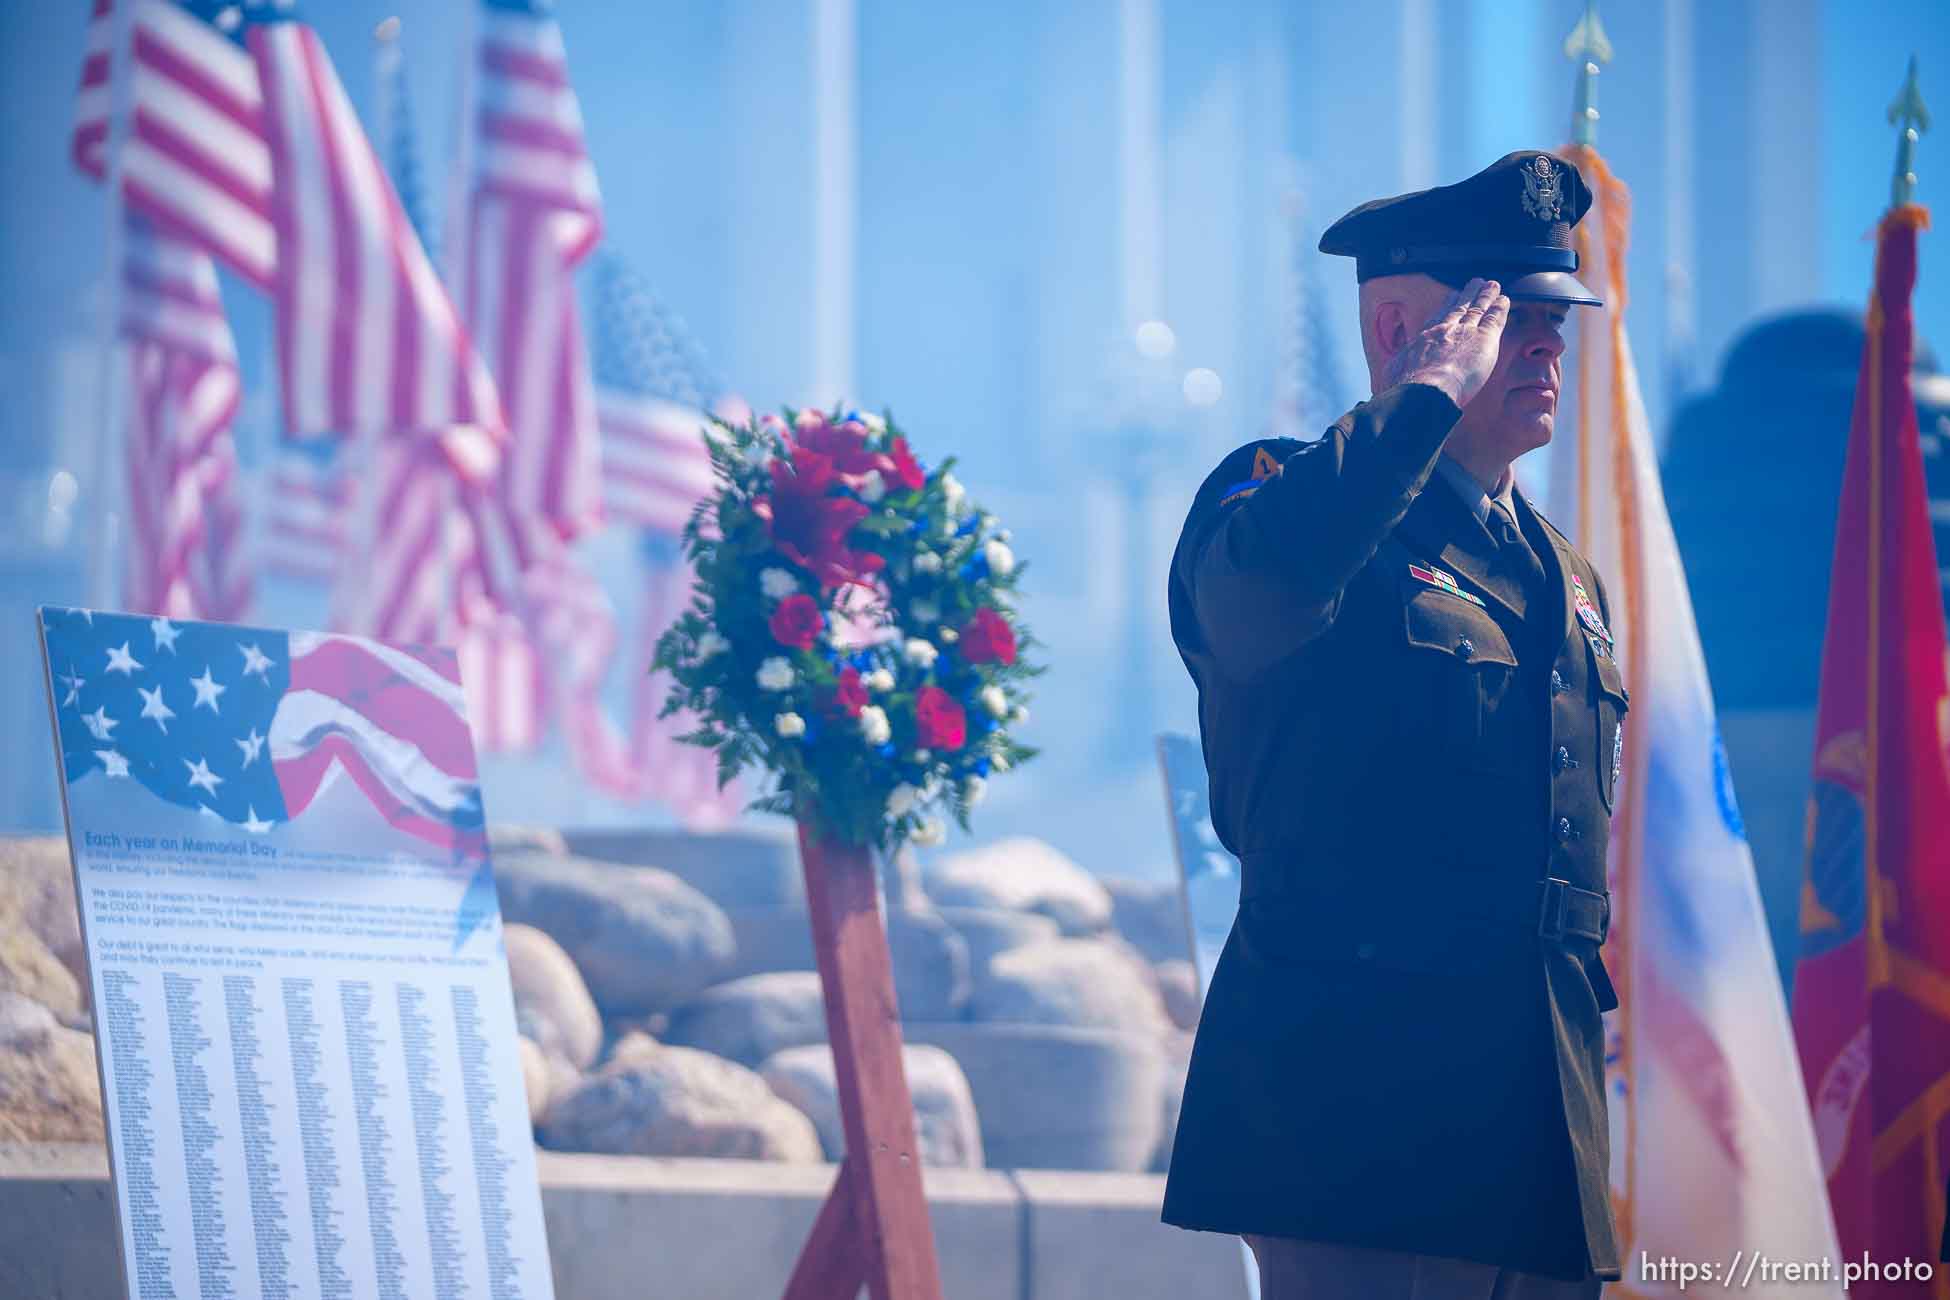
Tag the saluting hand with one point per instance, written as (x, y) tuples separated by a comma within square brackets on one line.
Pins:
[(1456, 351)]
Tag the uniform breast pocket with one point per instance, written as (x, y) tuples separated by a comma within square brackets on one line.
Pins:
[(1464, 675), (1611, 700)]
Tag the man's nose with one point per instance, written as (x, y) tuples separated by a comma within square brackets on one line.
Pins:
[(1544, 343)]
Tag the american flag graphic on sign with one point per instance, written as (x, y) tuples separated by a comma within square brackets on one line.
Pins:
[(195, 160), (251, 725)]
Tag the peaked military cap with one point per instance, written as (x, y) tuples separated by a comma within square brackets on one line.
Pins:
[(1510, 222)]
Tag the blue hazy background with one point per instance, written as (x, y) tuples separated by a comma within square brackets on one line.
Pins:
[(1001, 193)]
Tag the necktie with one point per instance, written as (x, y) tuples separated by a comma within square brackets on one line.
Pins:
[(1513, 551)]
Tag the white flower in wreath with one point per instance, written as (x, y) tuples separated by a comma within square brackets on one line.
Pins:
[(1002, 560), (874, 727), (710, 646), (954, 494), (927, 562), (777, 584), (789, 725), (920, 653), (775, 674), (998, 762), (948, 636), (901, 800), (973, 789), (929, 832), (872, 487), (877, 423), (1021, 715), (925, 612), (994, 701), (922, 755), (880, 680)]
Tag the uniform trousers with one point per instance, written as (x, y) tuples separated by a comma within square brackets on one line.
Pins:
[(1291, 1269)]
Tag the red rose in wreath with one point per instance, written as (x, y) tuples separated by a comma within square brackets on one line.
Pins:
[(849, 694), (796, 622), (939, 722), (988, 639)]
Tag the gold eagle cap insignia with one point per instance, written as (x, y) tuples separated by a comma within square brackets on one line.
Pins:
[(1543, 188)]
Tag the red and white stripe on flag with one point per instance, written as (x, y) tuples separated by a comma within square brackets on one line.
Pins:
[(507, 688), (656, 467), (308, 525), (368, 341), (185, 557), (195, 160), (428, 574), (535, 214)]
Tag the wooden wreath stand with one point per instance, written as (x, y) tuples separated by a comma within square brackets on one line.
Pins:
[(873, 1228)]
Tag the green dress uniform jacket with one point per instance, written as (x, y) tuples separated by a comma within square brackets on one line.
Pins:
[(1402, 1045)]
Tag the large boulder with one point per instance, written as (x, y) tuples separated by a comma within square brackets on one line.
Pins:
[(41, 955), (945, 1125), (931, 967), (513, 837), (1097, 983), (1025, 875), (1178, 1061), (643, 940), (732, 868), (535, 1078), (771, 936), (676, 1101), (930, 960), (748, 1019), (49, 1090), (1151, 917), (1178, 985), (989, 931), (552, 1004), (1056, 1097)]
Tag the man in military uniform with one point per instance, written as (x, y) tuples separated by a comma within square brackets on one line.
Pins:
[(1410, 710)]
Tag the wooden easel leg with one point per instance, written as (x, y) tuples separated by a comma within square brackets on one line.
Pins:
[(888, 1209), (831, 1264)]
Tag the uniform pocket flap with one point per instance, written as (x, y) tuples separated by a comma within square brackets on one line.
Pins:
[(1436, 620), (1604, 671)]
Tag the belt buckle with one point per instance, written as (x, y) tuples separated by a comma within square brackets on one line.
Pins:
[(1553, 907)]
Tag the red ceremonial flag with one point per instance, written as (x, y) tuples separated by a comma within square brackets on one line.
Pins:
[(1872, 991)]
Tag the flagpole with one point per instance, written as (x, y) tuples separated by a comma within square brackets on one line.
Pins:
[(101, 546)]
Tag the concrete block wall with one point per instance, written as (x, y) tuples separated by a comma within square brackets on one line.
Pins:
[(649, 1228)]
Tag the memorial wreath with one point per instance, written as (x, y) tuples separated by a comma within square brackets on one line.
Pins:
[(852, 629)]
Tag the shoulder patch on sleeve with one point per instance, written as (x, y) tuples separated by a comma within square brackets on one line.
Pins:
[(1264, 466)]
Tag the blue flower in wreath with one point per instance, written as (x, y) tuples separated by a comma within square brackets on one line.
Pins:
[(886, 750), (982, 764)]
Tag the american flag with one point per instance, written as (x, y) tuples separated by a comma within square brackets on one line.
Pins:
[(185, 557), (652, 382), (185, 554), (195, 160), (368, 342), (370, 346), (308, 527), (253, 724), (535, 215)]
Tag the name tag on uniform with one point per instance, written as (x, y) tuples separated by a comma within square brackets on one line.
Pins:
[(1441, 582)]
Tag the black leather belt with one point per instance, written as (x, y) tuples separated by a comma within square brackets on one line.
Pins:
[(1555, 909)]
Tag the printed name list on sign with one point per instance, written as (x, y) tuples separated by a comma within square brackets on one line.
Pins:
[(302, 1008)]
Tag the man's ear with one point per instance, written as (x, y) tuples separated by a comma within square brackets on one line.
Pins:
[(1391, 328)]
